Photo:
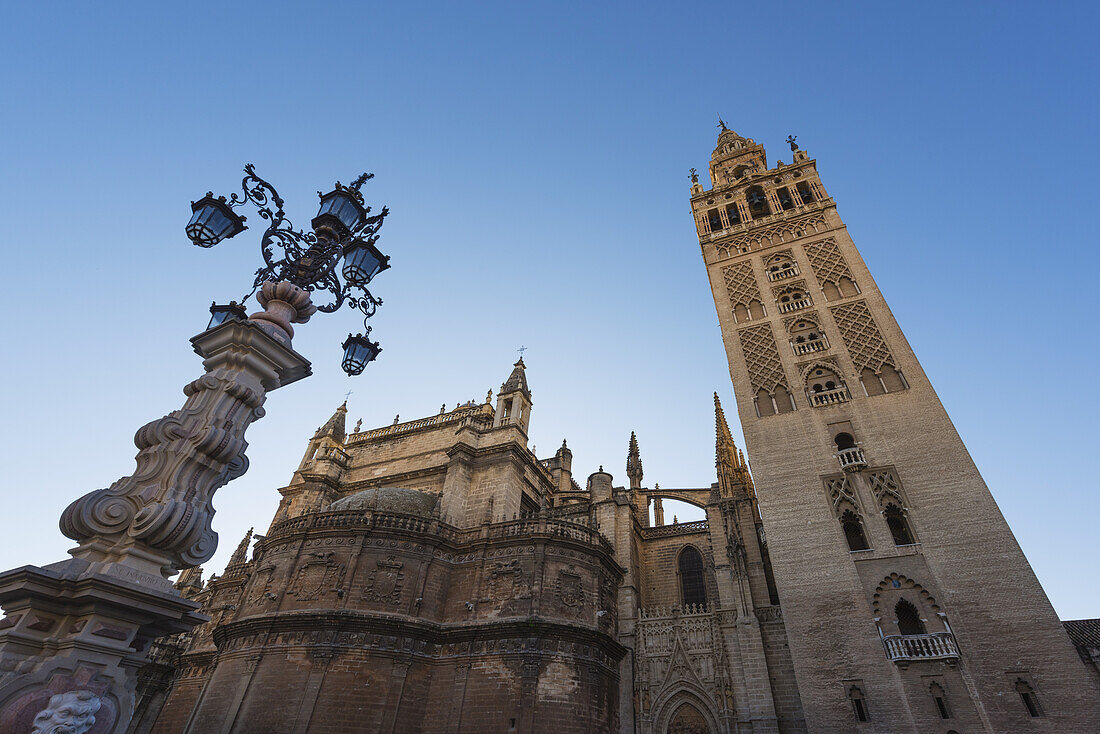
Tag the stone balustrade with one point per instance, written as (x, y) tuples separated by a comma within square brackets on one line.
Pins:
[(807, 347), (829, 397), (789, 306), (774, 275), (374, 519), (681, 528), (935, 646), (852, 459)]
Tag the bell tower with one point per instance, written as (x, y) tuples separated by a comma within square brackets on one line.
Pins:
[(908, 604)]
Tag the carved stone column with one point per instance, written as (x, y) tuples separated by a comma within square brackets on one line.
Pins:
[(75, 632)]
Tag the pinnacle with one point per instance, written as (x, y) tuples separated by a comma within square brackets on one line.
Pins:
[(241, 554)]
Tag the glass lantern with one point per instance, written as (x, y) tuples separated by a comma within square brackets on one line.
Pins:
[(359, 351), (363, 261), (212, 220), (220, 313), (339, 211)]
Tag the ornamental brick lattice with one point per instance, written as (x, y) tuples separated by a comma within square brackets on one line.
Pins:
[(862, 337), (762, 357), (827, 262), (741, 283)]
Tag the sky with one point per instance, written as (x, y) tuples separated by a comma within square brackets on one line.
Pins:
[(535, 159)]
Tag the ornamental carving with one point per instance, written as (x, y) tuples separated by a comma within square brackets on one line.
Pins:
[(262, 588), (775, 234), (762, 358), (885, 487), (320, 575), (508, 581), (570, 591), (385, 582), (72, 712)]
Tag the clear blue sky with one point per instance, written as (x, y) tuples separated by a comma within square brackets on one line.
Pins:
[(536, 162)]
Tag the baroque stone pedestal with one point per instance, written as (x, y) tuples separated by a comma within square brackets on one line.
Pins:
[(75, 633)]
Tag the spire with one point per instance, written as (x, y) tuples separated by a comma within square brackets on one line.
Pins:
[(725, 453), (240, 556), (634, 463), (335, 425), (517, 381)]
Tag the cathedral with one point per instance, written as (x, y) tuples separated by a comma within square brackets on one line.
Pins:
[(437, 576)]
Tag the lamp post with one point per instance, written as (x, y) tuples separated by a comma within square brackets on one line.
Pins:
[(75, 632)]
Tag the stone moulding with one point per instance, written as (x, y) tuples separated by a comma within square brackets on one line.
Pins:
[(355, 630)]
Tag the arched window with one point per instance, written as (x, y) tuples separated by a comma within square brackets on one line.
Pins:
[(781, 266), (853, 531), (824, 387), (898, 524), (909, 621), (758, 202), (693, 589), (792, 299), (844, 441), (806, 337)]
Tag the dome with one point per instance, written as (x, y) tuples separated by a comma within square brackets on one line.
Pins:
[(389, 499)]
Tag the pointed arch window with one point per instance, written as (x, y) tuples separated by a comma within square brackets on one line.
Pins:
[(909, 621), (898, 524), (853, 531), (693, 589)]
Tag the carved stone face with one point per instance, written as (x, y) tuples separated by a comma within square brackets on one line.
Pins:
[(72, 712)]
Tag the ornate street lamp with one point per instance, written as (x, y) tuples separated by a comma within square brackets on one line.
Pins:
[(359, 351), (212, 220), (84, 623), (343, 230)]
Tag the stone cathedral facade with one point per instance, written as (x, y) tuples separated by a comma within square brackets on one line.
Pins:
[(436, 576)]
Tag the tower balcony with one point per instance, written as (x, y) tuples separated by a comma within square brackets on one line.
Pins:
[(783, 273), (809, 346), (909, 648), (789, 306), (852, 459), (829, 397)]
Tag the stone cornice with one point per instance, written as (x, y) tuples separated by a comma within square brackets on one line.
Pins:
[(358, 629)]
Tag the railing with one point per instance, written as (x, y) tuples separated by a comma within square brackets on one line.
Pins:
[(461, 414), (374, 519), (665, 612), (769, 219), (680, 528), (332, 452), (829, 397), (813, 345), (852, 459), (783, 273), (935, 646), (795, 305)]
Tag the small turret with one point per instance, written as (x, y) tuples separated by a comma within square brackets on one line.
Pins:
[(334, 428), (634, 463), (514, 399), (190, 581)]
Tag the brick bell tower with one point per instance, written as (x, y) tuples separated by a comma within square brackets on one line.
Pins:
[(908, 604)]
